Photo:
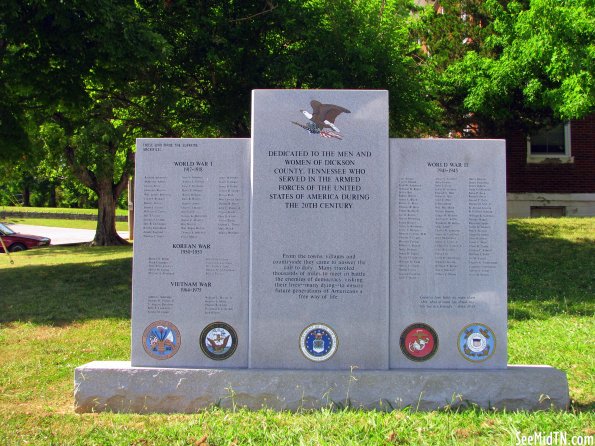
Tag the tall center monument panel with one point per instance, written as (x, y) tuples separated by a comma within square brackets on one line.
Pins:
[(319, 230)]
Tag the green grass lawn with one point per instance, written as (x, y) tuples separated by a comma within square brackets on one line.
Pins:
[(62, 223), (74, 211), (59, 222), (62, 307)]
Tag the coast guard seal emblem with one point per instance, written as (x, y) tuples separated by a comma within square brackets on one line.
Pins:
[(218, 341), (419, 342), (318, 342), (161, 340), (477, 342)]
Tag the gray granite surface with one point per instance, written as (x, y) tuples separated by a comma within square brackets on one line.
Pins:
[(448, 254), (319, 230), (117, 387), (190, 271)]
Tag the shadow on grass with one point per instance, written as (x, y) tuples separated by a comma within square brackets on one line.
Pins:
[(548, 276), (586, 407), (66, 293)]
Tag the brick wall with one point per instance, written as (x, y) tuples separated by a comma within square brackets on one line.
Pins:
[(577, 177)]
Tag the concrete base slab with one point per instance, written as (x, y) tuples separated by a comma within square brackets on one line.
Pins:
[(117, 387)]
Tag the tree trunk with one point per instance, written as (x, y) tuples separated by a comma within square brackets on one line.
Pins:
[(131, 210), (106, 234), (52, 202), (26, 195)]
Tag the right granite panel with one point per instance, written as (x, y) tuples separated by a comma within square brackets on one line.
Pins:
[(448, 283)]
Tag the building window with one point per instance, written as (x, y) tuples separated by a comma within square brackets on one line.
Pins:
[(547, 211), (550, 144)]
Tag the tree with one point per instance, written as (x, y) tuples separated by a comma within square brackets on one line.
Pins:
[(447, 31), (219, 53), (66, 69), (533, 66), (90, 76)]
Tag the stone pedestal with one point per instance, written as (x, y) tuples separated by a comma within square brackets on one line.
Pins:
[(117, 387)]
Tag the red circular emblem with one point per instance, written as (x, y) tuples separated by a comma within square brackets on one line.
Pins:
[(419, 342)]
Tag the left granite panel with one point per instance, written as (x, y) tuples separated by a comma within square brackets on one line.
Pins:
[(190, 269)]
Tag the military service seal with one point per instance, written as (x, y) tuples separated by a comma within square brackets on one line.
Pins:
[(318, 342), (419, 342), (161, 340), (218, 341), (477, 342)]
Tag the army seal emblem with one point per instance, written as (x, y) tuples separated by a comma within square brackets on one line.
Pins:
[(218, 341), (477, 342), (419, 342), (318, 342), (161, 340)]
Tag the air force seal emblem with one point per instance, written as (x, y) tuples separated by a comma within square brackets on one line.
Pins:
[(161, 340), (318, 342), (477, 342), (218, 341)]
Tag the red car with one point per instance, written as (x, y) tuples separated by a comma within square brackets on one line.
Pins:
[(19, 242)]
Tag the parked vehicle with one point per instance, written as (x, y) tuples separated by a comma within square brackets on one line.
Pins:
[(15, 241)]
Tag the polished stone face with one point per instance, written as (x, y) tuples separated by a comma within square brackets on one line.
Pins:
[(448, 254), (319, 230), (190, 275)]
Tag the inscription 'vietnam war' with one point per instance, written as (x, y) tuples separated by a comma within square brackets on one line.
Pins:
[(194, 284)]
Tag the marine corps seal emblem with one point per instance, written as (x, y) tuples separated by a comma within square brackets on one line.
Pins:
[(419, 342)]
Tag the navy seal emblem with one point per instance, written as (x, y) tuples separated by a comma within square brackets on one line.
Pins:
[(161, 340), (218, 341), (318, 342), (477, 342), (419, 342)]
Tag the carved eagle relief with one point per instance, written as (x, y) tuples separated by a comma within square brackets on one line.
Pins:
[(322, 118)]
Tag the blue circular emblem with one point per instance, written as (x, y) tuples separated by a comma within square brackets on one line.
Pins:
[(318, 342), (477, 342), (161, 340)]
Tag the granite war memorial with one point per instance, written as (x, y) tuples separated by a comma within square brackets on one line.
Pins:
[(318, 263)]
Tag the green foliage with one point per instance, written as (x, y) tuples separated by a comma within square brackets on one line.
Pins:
[(80, 82), (67, 68), (534, 68), (84, 79), (448, 31), (218, 54)]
